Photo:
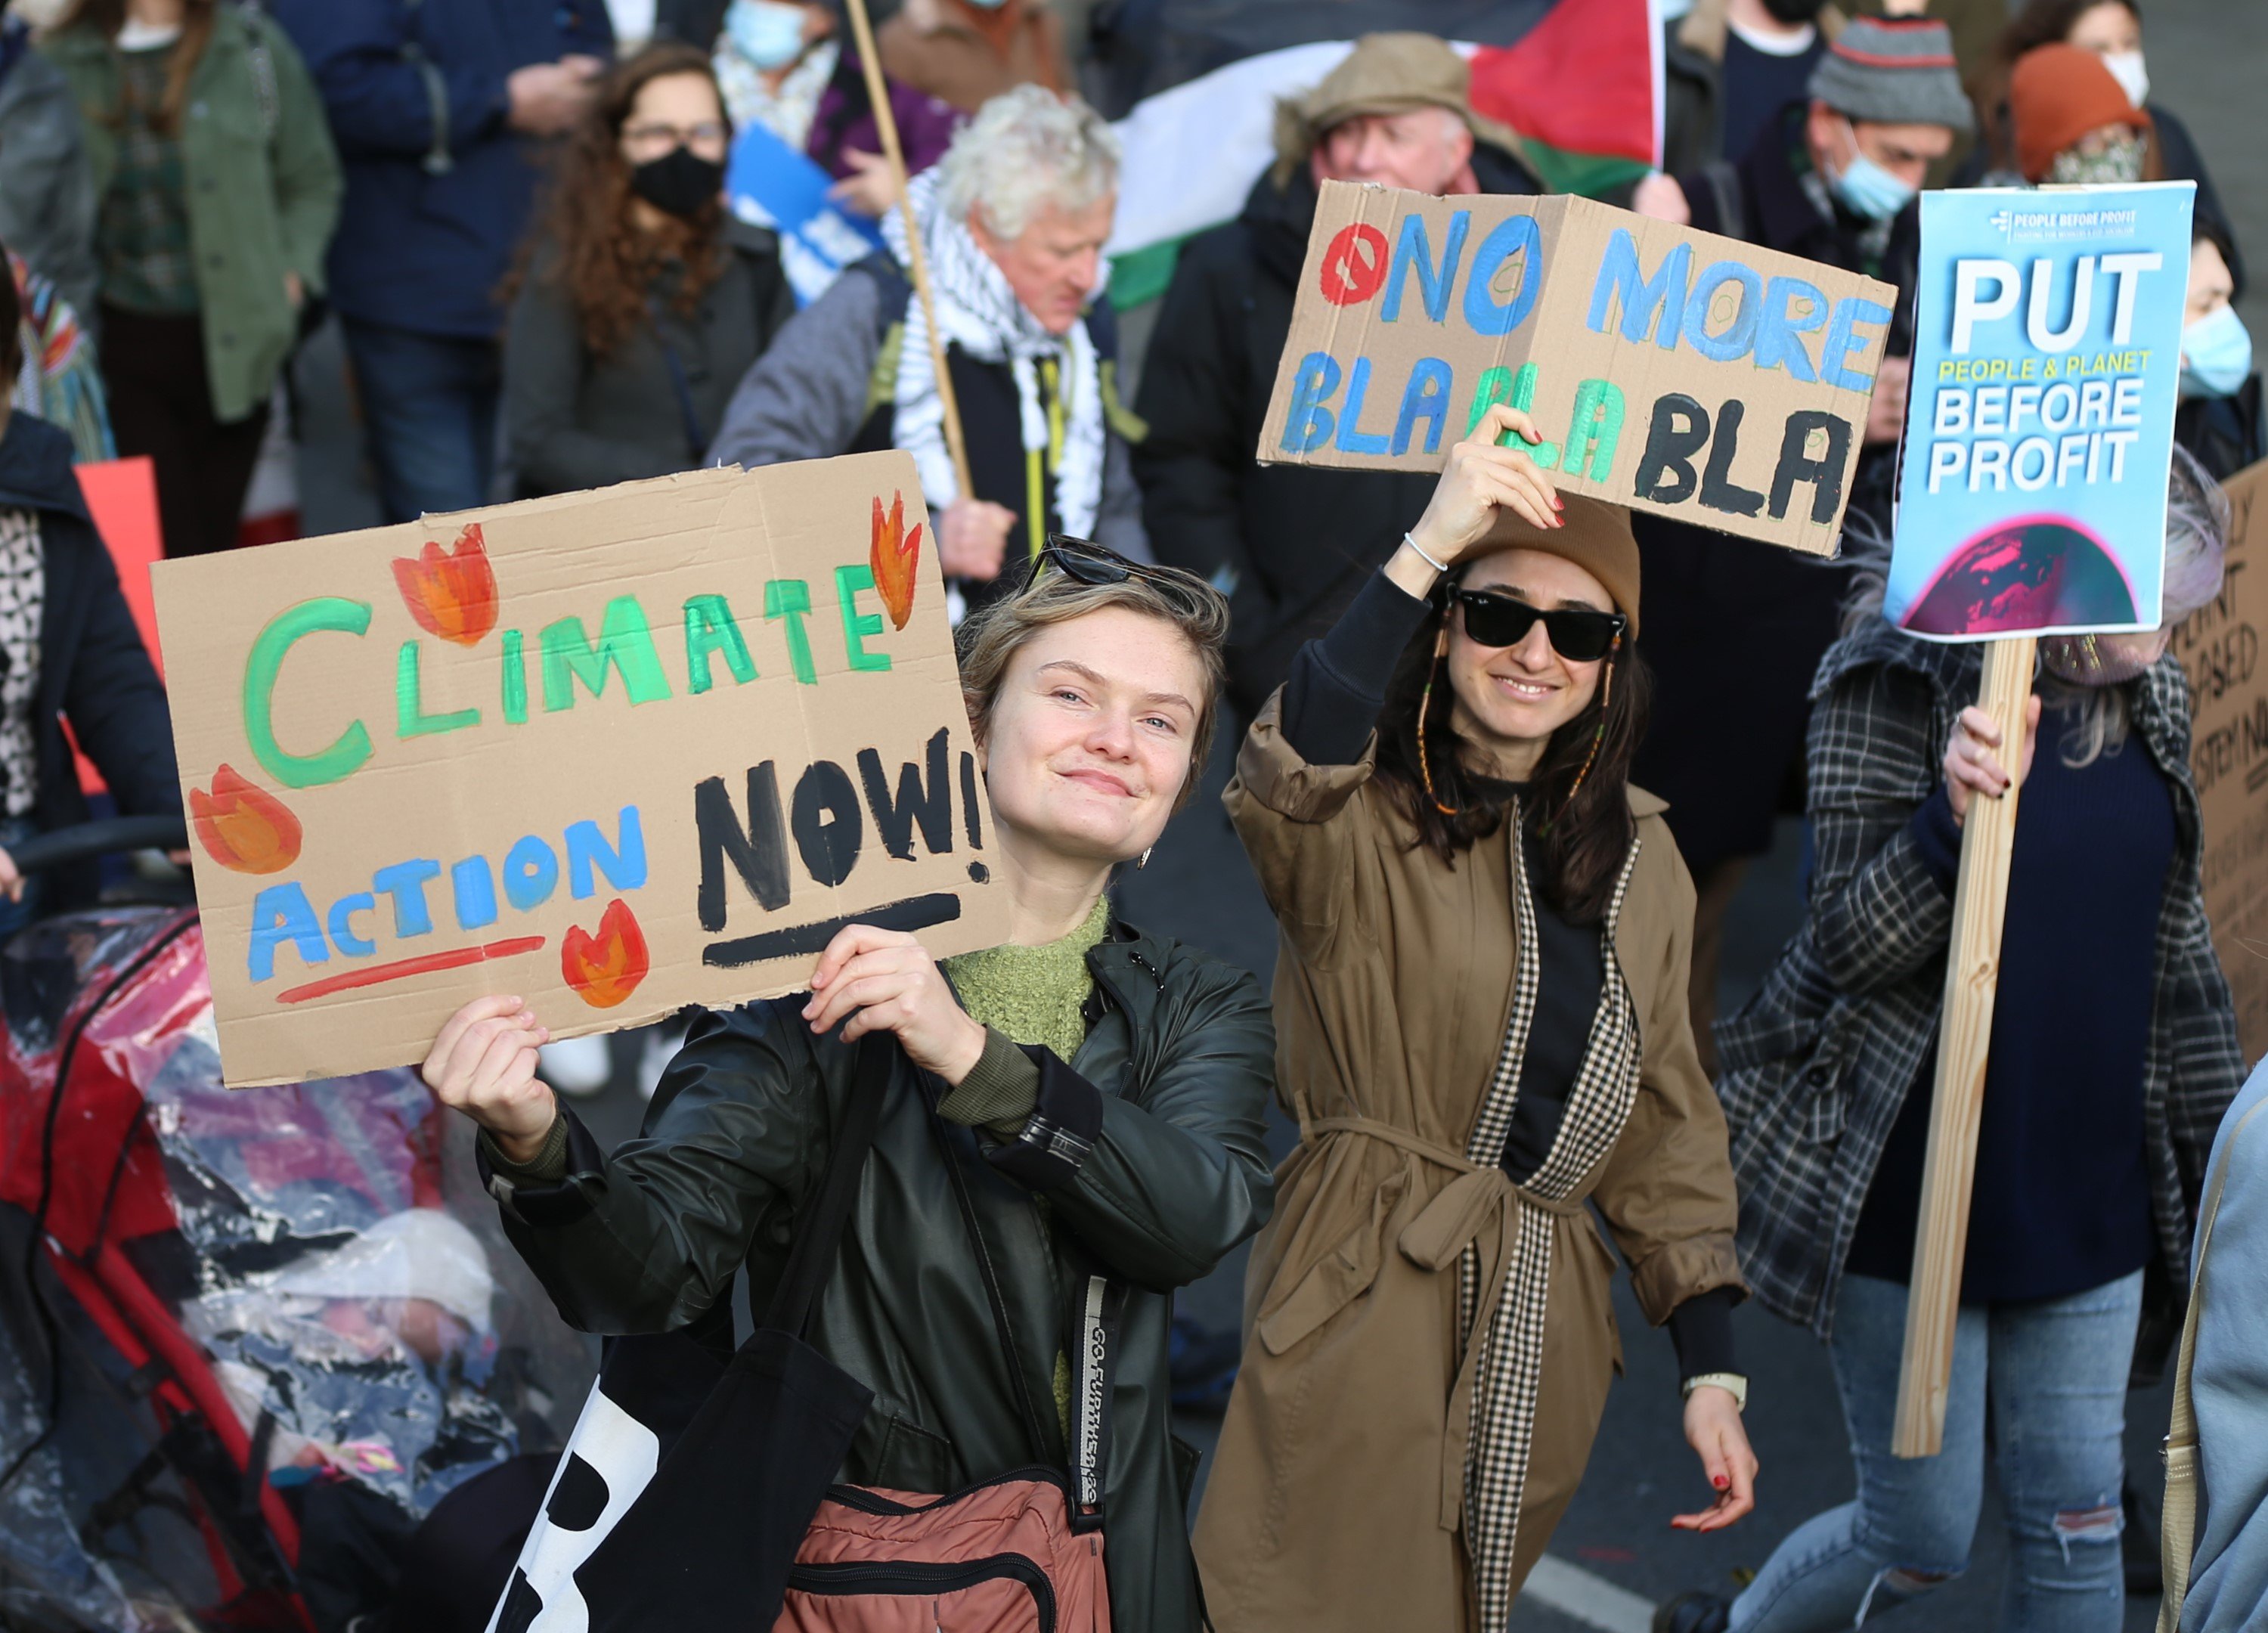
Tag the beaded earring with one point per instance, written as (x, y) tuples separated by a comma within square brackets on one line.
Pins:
[(1425, 704), (1599, 735)]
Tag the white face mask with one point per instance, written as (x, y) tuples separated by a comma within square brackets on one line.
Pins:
[(2134, 79)]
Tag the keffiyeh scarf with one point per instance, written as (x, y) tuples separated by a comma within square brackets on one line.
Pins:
[(977, 312)]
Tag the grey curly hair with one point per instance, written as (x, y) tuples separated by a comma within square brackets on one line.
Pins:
[(1026, 149)]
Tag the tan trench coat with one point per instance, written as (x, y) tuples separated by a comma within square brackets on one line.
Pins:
[(1335, 1496)]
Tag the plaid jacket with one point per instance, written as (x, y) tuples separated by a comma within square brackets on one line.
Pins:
[(1815, 1067)]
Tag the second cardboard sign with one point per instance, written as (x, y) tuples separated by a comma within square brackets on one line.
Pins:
[(1671, 371)]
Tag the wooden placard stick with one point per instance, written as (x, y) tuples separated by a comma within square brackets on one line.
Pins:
[(1972, 972), (878, 93)]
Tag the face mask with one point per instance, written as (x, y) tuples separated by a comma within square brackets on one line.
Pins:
[(768, 32), (987, 5), (2134, 79), (681, 181), (2216, 355), (1867, 189), (1794, 11), (2120, 161)]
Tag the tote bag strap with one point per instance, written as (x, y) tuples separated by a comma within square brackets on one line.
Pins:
[(2177, 1524), (1093, 1368), (820, 1230)]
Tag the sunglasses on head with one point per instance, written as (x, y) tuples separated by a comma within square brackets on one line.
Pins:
[(1084, 562), (1576, 633)]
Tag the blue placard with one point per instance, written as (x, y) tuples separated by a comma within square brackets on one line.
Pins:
[(2040, 422), (770, 184)]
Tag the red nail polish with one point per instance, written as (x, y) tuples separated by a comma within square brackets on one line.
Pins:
[(1720, 1482)]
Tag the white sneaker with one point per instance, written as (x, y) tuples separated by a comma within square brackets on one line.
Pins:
[(577, 1065)]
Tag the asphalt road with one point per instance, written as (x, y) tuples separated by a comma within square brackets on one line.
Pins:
[(2204, 59)]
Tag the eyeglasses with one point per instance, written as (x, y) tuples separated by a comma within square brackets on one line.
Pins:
[(710, 135), (1084, 562), (1576, 633)]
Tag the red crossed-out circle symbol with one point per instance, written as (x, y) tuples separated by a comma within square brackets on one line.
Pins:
[(1350, 275)]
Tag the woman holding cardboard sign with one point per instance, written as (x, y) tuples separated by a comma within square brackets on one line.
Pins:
[(2113, 1055), (1100, 1095), (1483, 988)]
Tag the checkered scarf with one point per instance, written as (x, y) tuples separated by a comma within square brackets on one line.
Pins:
[(1511, 1354)]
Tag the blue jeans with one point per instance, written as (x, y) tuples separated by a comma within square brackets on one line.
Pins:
[(2055, 1371), (430, 404)]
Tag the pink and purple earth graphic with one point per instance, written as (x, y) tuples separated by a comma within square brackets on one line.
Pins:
[(2036, 573)]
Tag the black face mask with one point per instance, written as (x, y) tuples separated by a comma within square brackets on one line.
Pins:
[(681, 181), (1794, 11)]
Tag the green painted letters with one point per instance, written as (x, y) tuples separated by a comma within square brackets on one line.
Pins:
[(625, 644), (265, 662), (790, 599), (409, 716), (515, 678), (711, 629), (857, 627)]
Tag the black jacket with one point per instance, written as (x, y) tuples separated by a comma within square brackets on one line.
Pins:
[(94, 668), (1297, 540), (1727, 616), (652, 404), (1172, 1081), (2224, 433)]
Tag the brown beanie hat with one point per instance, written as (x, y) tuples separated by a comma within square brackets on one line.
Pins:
[(2056, 96), (1596, 537)]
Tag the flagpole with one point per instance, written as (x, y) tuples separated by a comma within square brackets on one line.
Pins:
[(916, 263)]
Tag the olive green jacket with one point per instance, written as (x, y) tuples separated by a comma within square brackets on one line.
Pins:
[(264, 186), (1169, 1091)]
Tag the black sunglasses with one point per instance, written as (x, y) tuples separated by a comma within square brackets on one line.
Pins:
[(1084, 562), (1575, 633)]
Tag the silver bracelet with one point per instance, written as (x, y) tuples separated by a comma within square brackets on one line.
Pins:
[(1422, 556)]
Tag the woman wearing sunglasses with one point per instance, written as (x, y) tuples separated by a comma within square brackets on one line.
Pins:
[(1481, 999), (1098, 1092)]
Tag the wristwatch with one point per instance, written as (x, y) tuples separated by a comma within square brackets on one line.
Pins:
[(1731, 1383)]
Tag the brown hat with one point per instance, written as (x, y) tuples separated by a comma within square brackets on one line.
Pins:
[(1596, 537), (1384, 74), (2056, 96)]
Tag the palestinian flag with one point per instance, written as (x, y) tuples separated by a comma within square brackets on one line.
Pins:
[(1193, 86)]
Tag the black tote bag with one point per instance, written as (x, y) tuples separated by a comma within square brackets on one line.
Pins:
[(708, 1539)]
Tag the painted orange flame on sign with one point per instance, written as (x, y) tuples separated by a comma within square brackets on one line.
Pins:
[(243, 826), (895, 556), (451, 593), (605, 969)]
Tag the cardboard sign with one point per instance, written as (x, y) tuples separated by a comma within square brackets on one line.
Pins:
[(1681, 373), (2040, 422), (616, 752), (770, 184), (2220, 646)]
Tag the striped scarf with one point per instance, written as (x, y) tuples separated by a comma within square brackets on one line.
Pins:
[(978, 312), (1512, 1355)]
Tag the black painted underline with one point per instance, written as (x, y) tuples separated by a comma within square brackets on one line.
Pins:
[(913, 913)]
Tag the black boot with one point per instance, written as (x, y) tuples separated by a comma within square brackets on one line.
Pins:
[(1694, 1613)]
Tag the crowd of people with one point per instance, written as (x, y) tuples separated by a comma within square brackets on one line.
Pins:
[(1500, 824)]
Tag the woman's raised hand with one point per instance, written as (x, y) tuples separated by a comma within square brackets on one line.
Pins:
[(885, 980), (1972, 761), (483, 1064), (1478, 479)]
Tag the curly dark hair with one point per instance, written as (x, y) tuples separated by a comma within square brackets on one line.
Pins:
[(607, 261), (1575, 847)]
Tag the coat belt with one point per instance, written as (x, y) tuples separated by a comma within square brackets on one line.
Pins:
[(1461, 1214)]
